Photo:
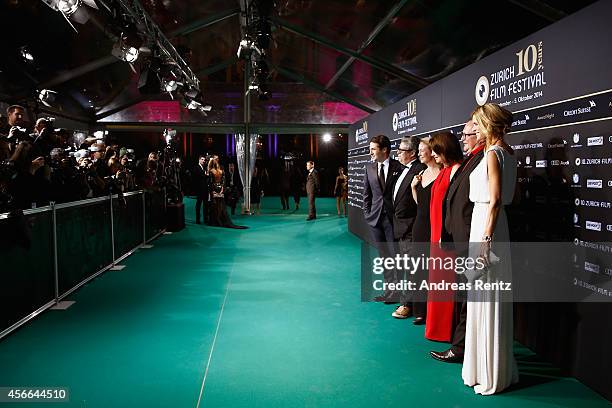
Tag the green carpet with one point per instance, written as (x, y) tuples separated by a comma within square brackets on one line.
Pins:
[(281, 303)]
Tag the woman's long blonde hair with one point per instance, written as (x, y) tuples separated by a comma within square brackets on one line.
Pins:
[(494, 121)]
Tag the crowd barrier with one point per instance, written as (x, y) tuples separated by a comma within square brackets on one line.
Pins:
[(51, 251)]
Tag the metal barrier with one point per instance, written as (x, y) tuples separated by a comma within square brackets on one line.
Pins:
[(50, 252)]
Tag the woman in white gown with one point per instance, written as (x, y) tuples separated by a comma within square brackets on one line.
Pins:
[(489, 365)]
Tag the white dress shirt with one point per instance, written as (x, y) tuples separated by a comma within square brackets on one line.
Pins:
[(401, 178)]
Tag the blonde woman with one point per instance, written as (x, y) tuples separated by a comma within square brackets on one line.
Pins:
[(489, 365)]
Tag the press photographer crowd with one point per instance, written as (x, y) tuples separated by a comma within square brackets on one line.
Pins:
[(41, 164)]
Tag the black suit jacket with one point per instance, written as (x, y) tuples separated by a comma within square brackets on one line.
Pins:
[(458, 207), (404, 206), (200, 181), (375, 198), (312, 182)]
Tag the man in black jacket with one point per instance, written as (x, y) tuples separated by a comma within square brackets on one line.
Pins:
[(312, 189), (200, 184), (457, 219), (378, 202), (404, 213)]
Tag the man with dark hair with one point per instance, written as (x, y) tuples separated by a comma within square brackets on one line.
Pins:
[(378, 202), (200, 184), (312, 189), (457, 219), (404, 214)]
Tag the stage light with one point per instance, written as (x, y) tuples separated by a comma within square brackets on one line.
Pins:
[(26, 54), (68, 7), (125, 52), (127, 47), (46, 97), (170, 85), (327, 137)]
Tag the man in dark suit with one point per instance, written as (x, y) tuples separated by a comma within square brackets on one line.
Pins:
[(312, 189), (457, 219), (233, 187), (404, 213), (378, 202), (200, 184)]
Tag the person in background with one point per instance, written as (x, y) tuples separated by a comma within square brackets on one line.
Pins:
[(233, 187), (341, 191), (312, 189), (200, 185)]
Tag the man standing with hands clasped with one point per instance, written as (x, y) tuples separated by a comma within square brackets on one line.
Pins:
[(378, 203), (312, 189), (404, 214)]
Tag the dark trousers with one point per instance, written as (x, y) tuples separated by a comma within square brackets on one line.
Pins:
[(202, 201), (384, 241), (284, 200), (458, 339), (416, 299), (312, 210)]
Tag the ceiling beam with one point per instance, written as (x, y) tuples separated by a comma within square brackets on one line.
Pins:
[(217, 67), (203, 23), (382, 24), (372, 61), (541, 9), (66, 76), (320, 88), (216, 128), (121, 107)]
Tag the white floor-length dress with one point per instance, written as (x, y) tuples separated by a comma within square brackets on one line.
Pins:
[(489, 365)]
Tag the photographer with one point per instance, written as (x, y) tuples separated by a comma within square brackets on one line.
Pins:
[(25, 189), (66, 183), (44, 139)]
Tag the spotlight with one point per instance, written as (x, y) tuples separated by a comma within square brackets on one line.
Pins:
[(26, 54), (68, 7), (327, 137), (127, 46), (74, 9), (170, 85), (124, 52), (46, 97)]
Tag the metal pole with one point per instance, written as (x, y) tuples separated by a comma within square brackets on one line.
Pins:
[(247, 136), (112, 225), (55, 263), (144, 218)]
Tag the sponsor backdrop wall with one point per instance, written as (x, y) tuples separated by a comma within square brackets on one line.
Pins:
[(558, 85)]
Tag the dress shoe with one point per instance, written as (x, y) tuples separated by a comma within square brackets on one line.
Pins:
[(311, 218), (418, 321), (448, 356), (402, 312), (380, 298)]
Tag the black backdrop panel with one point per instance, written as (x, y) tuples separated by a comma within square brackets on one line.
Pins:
[(557, 83)]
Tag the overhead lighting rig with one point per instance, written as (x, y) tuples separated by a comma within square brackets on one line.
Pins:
[(255, 42), (134, 29)]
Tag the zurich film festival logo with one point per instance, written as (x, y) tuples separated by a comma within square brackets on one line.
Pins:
[(361, 134), (481, 93), (404, 119), (576, 178), (576, 138), (395, 121)]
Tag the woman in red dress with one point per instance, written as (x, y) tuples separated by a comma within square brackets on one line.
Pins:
[(440, 303)]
